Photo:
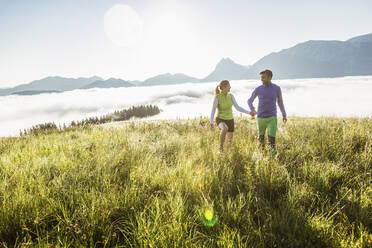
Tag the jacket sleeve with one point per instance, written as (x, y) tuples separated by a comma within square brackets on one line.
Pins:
[(238, 107), (214, 106), (280, 103), (251, 99)]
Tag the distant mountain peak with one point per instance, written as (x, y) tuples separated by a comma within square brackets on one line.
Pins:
[(226, 68), (112, 79), (96, 78), (224, 61), (109, 83), (168, 78), (164, 75), (170, 75), (227, 59), (361, 38)]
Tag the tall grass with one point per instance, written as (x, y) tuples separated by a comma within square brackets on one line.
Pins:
[(144, 185)]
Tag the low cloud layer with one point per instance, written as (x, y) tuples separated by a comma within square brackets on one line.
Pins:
[(347, 96)]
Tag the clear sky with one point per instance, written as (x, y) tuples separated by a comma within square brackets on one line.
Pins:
[(40, 38)]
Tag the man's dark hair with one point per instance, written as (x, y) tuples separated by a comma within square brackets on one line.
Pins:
[(267, 72)]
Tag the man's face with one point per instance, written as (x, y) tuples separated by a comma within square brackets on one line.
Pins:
[(265, 78)]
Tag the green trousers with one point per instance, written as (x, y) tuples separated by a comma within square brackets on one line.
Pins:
[(269, 123)]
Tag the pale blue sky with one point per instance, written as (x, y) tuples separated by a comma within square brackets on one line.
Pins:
[(40, 38)]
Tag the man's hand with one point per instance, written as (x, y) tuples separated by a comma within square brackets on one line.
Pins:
[(285, 120), (253, 112)]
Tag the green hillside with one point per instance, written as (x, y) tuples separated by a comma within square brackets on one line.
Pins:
[(150, 184)]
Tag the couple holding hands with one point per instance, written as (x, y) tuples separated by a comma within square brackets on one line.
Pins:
[(268, 95)]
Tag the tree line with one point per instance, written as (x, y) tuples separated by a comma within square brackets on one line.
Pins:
[(140, 111)]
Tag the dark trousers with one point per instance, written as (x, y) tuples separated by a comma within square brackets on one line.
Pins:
[(271, 139)]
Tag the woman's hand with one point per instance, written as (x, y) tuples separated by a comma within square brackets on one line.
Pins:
[(253, 112), (211, 127)]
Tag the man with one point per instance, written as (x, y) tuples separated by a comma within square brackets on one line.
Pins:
[(268, 93)]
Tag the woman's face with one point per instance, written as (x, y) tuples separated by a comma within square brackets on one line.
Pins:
[(226, 88)]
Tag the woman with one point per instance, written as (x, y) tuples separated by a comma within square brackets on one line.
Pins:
[(223, 101)]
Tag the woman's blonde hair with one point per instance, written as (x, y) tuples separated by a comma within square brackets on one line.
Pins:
[(223, 83)]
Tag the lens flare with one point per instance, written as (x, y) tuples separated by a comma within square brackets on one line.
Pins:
[(208, 216), (123, 25)]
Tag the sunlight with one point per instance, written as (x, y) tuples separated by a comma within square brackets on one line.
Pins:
[(123, 26)]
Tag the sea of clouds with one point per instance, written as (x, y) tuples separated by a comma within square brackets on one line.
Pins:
[(337, 97)]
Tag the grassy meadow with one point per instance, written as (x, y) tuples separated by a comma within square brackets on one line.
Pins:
[(150, 184)]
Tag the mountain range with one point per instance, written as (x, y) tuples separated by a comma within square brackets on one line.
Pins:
[(48, 84), (311, 59), (318, 58)]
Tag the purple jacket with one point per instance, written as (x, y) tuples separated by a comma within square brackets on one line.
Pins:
[(267, 96)]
